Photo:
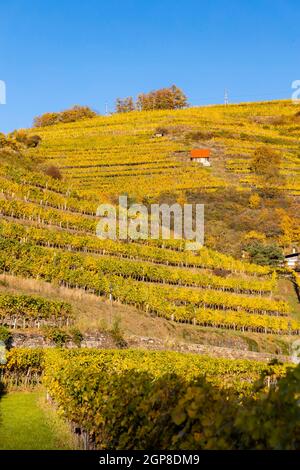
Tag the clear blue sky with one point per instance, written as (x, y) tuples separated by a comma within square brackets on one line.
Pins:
[(57, 53)]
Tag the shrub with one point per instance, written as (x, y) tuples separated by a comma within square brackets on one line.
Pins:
[(53, 172), (33, 141), (220, 272), (76, 114), (70, 115), (162, 130), (254, 201), (76, 336), (20, 136), (9, 144), (47, 119), (29, 141), (5, 336), (266, 161), (117, 333), (58, 336)]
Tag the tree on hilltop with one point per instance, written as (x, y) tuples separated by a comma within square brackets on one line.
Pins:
[(69, 115), (125, 105), (164, 98)]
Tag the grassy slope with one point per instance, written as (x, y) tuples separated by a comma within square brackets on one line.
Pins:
[(27, 423), (286, 288)]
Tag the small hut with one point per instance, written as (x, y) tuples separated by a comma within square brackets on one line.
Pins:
[(201, 156)]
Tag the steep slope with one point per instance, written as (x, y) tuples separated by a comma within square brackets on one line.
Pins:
[(47, 227), (107, 153), (146, 155)]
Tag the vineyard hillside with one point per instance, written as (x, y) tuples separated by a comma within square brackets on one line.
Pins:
[(107, 154), (146, 155), (50, 192)]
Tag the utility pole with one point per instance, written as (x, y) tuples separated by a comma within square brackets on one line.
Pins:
[(226, 101)]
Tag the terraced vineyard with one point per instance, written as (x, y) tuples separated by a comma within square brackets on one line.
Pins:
[(60, 284), (149, 245), (104, 154), (48, 226), (119, 157), (210, 300), (53, 245)]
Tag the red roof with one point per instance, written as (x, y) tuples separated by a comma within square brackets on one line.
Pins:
[(200, 153)]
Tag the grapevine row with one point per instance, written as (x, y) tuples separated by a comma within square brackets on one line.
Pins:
[(24, 310), (205, 258), (30, 261), (147, 272)]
